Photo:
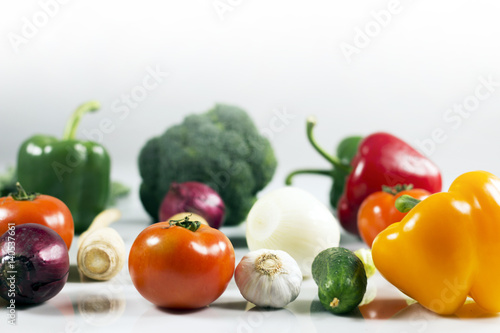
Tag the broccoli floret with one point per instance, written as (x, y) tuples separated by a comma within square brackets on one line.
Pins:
[(221, 148)]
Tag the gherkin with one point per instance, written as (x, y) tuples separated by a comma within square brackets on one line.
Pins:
[(221, 148)]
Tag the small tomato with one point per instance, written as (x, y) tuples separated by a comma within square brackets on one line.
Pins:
[(378, 210), (21, 208), (181, 264)]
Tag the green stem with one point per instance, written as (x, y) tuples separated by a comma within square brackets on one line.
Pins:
[(311, 122), (22, 195), (186, 223), (405, 203), (288, 180), (74, 120), (396, 189)]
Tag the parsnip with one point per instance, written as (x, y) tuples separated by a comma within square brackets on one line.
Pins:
[(104, 219), (102, 308), (101, 250)]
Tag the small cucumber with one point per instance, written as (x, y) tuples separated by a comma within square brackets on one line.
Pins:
[(341, 279)]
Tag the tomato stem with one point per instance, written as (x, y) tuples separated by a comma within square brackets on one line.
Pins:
[(396, 189), (22, 195), (405, 203), (186, 223)]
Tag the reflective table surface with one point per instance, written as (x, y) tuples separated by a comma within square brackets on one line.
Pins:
[(90, 306)]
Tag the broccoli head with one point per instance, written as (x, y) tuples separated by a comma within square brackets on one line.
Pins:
[(221, 148)]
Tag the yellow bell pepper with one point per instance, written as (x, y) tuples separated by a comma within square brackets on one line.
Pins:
[(447, 247)]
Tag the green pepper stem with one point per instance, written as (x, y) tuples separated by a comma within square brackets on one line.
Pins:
[(311, 122), (288, 180), (74, 120), (186, 223), (22, 195), (405, 203)]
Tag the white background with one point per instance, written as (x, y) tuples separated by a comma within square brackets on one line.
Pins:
[(262, 56), (266, 57)]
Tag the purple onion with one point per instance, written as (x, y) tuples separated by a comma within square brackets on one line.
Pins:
[(40, 266), (193, 197)]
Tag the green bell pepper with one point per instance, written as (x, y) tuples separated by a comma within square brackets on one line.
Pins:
[(77, 172)]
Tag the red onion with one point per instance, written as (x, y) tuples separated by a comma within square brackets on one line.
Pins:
[(39, 268), (193, 197)]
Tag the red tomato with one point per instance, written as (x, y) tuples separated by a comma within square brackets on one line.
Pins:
[(378, 211), (174, 267), (41, 209)]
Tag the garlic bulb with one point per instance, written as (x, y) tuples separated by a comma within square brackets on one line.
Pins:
[(294, 221), (268, 278)]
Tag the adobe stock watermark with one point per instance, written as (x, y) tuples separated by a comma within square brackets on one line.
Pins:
[(278, 122), (252, 320), (419, 319), (10, 273), (223, 7), (449, 294), (379, 20), (455, 115), (121, 108), (266, 320), (127, 102), (32, 25)]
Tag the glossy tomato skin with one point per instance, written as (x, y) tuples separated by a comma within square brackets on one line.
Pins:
[(378, 211), (177, 268), (44, 210)]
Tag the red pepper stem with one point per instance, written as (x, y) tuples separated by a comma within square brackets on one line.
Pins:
[(288, 180), (311, 122), (405, 203), (186, 223), (74, 120), (22, 195)]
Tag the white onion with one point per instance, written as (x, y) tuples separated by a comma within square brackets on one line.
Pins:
[(292, 220)]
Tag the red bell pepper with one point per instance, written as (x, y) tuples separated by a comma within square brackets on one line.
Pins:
[(381, 159)]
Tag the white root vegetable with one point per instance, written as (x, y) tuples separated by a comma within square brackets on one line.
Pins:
[(104, 219), (101, 250), (294, 221), (103, 308)]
